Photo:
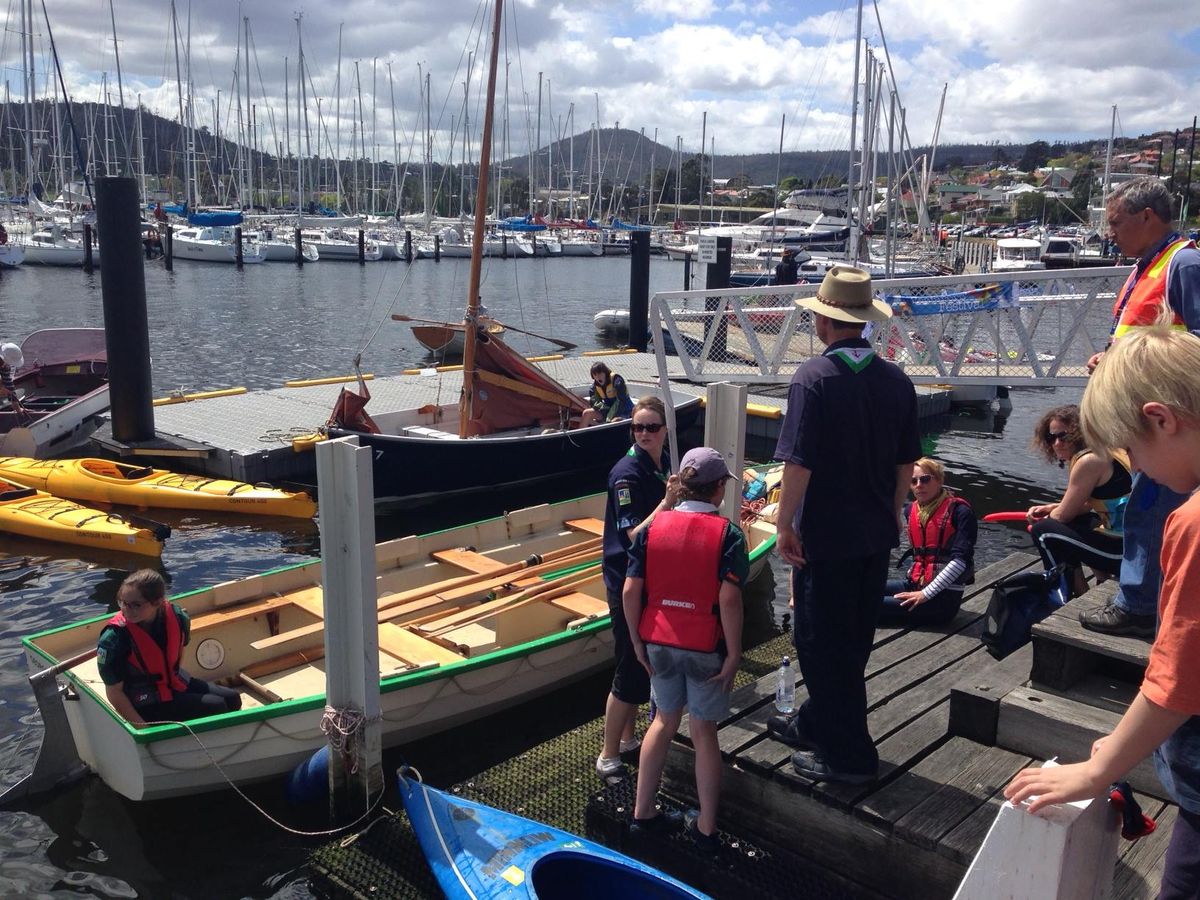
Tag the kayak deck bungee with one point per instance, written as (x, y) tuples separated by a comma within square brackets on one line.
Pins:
[(105, 481), (478, 851), (28, 512)]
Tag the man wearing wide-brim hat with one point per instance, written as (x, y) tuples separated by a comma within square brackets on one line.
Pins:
[(848, 443)]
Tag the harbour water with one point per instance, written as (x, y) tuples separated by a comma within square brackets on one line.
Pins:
[(211, 327)]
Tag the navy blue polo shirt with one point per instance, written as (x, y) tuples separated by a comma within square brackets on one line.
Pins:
[(635, 487), (851, 419)]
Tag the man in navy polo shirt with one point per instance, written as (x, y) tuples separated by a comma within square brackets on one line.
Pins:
[(848, 442)]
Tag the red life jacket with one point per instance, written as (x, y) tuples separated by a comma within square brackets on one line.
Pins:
[(147, 660), (683, 555), (931, 544)]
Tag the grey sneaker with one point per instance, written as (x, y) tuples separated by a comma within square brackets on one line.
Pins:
[(1111, 619)]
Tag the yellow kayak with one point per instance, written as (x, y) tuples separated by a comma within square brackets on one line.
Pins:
[(104, 481), (32, 513)]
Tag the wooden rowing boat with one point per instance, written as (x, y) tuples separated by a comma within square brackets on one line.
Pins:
[(471, 620)]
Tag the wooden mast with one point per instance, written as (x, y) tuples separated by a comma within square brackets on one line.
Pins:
[(470, 320)]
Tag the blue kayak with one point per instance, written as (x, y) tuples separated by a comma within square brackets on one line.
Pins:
[(477, 851)]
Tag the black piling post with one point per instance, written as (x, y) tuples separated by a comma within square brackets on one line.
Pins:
[(237, 240), (687, 271), (408, 245), (88, 261), (504, 246), (123, 288), (639, 289), (299, 248), (362, 246), (437, 248), (169, 249), (716, 277)]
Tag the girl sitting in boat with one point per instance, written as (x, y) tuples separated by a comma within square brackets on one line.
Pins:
[(610, 397), (138, 657), (1084, 527)]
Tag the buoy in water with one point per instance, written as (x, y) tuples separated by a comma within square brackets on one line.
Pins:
[(309, 781)]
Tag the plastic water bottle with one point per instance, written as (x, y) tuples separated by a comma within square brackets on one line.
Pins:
[(785, 688)]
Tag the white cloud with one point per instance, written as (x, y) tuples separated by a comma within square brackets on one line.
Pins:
[(1020, 72)]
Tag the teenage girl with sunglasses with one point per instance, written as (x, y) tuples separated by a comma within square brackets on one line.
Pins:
[(640, 486)]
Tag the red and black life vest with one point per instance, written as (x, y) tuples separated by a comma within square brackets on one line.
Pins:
[(153, 671), (683, 556), (931, 544)]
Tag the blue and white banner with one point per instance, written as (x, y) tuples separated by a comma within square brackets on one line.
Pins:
[(981, 299)]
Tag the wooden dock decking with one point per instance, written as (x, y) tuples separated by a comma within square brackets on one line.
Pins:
[(952, 726)]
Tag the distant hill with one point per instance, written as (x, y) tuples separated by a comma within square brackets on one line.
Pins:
[(625, 156)]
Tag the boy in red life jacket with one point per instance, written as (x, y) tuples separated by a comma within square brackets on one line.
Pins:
[(683, 603), (138, 657)]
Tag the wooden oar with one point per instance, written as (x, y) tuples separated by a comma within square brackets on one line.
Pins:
[(537, 564), (548, 591), (456, 588), (465, 595), (563, 345)]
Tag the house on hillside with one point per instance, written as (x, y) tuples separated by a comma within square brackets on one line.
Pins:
[(1055, 178)]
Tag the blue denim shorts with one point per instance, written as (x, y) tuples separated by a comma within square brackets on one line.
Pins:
[(681, 678)]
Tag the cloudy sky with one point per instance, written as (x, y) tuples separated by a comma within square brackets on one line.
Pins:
[(1016, 71)]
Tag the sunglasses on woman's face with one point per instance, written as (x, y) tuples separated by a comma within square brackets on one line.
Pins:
[(1055, 436), (921, 479), (651, 427)]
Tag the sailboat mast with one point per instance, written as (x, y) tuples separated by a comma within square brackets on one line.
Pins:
[(427, 186), (1112, 133), (852, 242), (485, 146), (27, 84), (249, 121)]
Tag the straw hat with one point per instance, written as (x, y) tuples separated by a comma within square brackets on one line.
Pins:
[(846, 295)]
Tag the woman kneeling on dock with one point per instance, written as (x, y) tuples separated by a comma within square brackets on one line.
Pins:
[(138, 656), (942, 532), (1084, 527)]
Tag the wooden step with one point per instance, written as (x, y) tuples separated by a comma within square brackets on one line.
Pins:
[(975, 701), (1064, 651), (1048, 725)]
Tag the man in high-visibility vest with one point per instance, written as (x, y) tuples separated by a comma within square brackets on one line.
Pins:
[(1164, 286)]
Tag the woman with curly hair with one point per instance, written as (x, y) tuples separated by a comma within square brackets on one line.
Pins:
[(1084, 527)]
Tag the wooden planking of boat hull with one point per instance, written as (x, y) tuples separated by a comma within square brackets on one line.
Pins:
[(406, 467)]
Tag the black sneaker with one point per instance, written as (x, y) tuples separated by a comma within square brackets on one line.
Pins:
[(789, 730), (668, 821), (813, 765), (1111, 619), (709, 844)]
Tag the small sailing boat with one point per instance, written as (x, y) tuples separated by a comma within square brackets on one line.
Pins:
[(513, 423)]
